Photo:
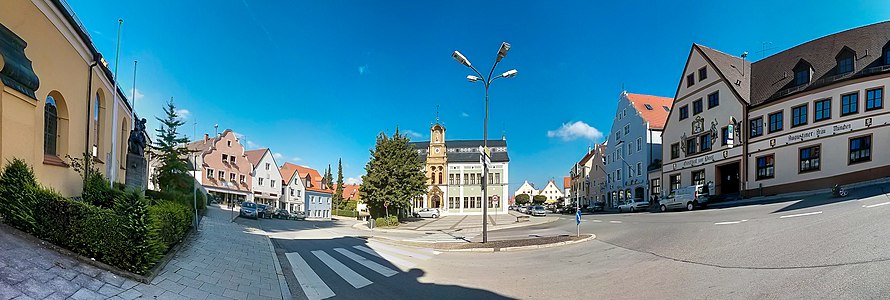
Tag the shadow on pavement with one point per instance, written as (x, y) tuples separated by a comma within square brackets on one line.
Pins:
[(317, 255), (277, 225), (826, 198)]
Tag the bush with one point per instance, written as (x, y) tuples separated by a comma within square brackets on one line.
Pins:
[(97, 191), (347, 213), (187, 199), (390, 221), (120, 237), (18, 188), (171, 220)]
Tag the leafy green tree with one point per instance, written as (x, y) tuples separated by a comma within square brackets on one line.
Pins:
[(539, 199), (393, 176), (522, 199), (338, 194), (170, 149)]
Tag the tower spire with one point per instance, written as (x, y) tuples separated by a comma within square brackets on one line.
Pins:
[(437, 114)]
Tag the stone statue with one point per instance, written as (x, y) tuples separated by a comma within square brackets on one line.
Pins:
[(136, 143)]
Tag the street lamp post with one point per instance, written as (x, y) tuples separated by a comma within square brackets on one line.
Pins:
[(502, 52)]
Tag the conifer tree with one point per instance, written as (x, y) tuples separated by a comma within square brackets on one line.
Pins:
[(170, 149), (338, 194)]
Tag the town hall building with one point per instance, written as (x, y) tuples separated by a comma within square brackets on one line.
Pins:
[(454, 174)]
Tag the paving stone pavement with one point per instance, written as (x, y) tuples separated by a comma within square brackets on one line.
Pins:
[(221, 261)]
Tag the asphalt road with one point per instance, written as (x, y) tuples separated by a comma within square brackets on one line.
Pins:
[(813, 248)]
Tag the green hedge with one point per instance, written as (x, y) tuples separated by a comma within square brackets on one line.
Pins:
[(390, 221), (187, 199), (121, 229), (172, 221), (346, 213)]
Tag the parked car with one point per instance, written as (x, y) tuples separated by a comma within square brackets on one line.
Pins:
[(523, 209), (688, 197), (427, 213), (597, 206), (298, 215), (248, 210), (633, 205), (538, 210), (264, 211), (281, 214)]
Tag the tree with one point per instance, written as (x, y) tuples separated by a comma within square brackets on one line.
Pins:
[(539, 199), (328, 177), (393, 176), (522, 199), (170, 149), (338, 194)]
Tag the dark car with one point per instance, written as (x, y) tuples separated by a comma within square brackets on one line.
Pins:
[(281, 214), (264, 211), (598, 206), (248, 210)]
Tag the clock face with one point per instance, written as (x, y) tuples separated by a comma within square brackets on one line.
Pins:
[(437, 150)]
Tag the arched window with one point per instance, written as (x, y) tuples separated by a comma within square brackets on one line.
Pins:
[(96, 132), (50, 126), (440, 177)]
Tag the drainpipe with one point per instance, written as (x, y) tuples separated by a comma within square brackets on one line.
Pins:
[(88, 155), (743, 177)]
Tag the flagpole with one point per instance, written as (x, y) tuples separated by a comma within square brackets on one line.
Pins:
[(120, 24)]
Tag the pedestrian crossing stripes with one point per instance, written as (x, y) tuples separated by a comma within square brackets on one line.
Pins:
[(315, 287)]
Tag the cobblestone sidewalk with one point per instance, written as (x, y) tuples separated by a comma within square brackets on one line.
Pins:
[(221, 261)]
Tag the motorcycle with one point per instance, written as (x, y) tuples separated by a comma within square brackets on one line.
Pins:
[(838, 191)]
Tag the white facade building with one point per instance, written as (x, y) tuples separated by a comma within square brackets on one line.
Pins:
[(266, 177), (634, 145), (293, 190)]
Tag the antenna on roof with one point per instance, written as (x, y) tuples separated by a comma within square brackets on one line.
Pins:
[(763, 48), (744, 57)]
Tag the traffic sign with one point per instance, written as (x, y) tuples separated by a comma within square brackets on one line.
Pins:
[(578, 216)]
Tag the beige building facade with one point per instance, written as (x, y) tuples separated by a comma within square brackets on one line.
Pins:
[(223, 167), (57, 96)]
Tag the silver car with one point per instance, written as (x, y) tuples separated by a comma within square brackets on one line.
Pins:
[(427, 213), (537, 211), (634, 205)]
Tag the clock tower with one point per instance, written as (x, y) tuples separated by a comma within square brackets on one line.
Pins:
[(436, 167)]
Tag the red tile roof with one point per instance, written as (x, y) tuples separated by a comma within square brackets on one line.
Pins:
[(350, 191), (657, 116), (254, 156), (287, 172)]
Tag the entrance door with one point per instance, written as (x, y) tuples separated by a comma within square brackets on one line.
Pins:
[(436, 201), (728, 181)]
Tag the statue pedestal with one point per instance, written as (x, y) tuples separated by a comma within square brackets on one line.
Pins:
[(136, 176)]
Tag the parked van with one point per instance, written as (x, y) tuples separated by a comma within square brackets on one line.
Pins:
[(689, 197)]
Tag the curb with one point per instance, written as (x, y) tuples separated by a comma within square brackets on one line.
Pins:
[(493, 249), (282, 283), (360, 226)]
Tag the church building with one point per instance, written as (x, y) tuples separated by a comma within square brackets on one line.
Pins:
[(454, 174)]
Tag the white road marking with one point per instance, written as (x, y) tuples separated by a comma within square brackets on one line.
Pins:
[(356, 280), (312, 285), (801, 215), (367, 263), (730, 222), (615, 222), (876, 205), (391, 258), (597, 221), (395, 250)]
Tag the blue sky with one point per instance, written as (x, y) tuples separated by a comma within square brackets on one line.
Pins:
[(318, 80)]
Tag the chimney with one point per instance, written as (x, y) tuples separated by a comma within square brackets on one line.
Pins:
[(206, 138)]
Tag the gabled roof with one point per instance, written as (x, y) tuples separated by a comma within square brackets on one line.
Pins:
[(314, 183), (288, 170), (731, 68), (255, 156), (588, 156), (774, 78), (657, 116)]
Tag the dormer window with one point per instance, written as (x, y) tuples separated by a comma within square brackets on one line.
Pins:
[(802, 73), (648, 107), (845, 61)]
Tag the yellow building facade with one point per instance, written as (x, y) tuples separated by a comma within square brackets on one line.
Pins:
[(56, 96)]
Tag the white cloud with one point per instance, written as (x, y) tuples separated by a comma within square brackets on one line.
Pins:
[(362, 69), (296, 158), (354, 180), (252, 145), (277, 155), (572, 131), (412, 133), (138, 93), (183, 113), (464, 114)]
